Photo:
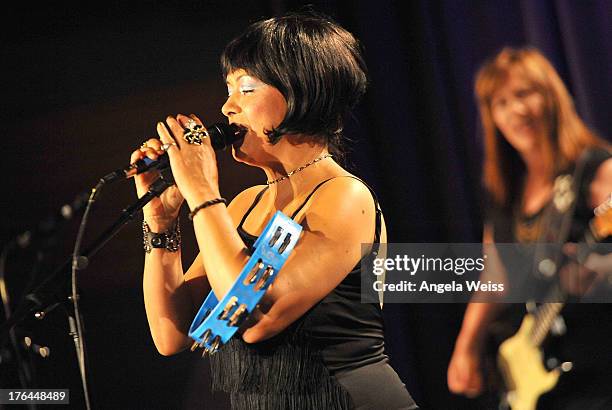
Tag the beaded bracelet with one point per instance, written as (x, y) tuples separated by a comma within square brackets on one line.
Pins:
[(206, 205)]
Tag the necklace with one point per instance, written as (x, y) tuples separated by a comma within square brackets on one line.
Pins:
[(314, 161)]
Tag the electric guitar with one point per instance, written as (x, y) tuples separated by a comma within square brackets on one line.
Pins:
[(520, 356)]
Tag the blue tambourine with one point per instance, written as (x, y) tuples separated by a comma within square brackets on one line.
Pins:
[(216, 322)]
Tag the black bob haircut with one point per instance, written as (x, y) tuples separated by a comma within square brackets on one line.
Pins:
[(316, 65)]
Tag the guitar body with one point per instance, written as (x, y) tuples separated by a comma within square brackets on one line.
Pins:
[(520, 358), (523, 370)]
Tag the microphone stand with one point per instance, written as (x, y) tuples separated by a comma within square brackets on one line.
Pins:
[(23, 365), (41, 300)]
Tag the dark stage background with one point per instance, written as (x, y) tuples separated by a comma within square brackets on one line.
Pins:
[(82, 86)]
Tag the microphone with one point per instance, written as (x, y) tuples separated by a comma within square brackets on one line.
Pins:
[(221, 135)]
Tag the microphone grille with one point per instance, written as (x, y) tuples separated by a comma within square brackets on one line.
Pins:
[(222, 135)]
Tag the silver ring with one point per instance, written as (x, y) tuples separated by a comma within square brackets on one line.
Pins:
[(166, 147), (191, 125)]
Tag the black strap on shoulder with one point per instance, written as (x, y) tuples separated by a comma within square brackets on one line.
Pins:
[(255, 202), (299, 208), (378, 227)]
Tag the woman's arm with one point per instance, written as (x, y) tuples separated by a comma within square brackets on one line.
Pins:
[(464, 370), (339, 219), (171, 298), (167, 302)]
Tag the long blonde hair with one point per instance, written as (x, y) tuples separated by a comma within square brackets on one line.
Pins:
[(567, 134)]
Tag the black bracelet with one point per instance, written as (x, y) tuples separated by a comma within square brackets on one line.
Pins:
[(169, 240), (206, 205)]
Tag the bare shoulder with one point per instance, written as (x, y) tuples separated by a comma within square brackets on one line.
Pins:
[(344, 207), (241, 202), (345, 194)]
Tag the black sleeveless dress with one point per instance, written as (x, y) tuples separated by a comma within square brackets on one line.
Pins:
[(331, 358)]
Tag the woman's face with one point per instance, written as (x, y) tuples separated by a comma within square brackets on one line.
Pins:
[(256, 106), (519, 112)]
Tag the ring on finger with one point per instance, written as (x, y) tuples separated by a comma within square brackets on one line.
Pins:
[(144, 145), (191, 124), (195, 134), (166, 147)]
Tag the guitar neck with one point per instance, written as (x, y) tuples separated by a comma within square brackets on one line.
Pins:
[(544, 319)]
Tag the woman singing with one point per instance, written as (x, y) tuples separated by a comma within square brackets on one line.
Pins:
[(314, 345), (532, 135)]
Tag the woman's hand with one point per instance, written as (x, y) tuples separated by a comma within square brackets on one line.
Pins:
[(194, 166), (161, 211), (464, 374)]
